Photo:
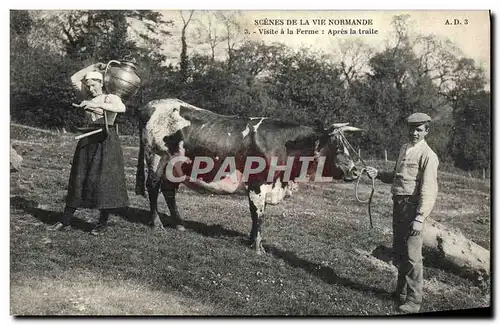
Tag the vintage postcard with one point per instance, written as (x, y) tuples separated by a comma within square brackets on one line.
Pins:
[(250, 163)]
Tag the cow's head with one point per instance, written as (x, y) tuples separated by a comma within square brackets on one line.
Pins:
[(333, 146)]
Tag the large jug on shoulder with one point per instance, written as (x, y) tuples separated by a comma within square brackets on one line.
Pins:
[(121, 79)]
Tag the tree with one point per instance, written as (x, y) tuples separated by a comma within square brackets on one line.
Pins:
[(233, 31), (394, 87), (308, 86), (466, 79), (470, 136), (209, 31), (353, 59), (241, 88), (252, 59), (471, 146), (184, 57), (217, 31), (21, 24), (437, 59), (90, 35)]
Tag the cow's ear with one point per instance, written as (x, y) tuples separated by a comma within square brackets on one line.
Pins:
[(319, 126)]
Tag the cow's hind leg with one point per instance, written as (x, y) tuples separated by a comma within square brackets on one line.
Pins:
[(169, 190), (257, 200), (153, 187)]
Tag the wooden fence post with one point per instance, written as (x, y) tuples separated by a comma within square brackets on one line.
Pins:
[(385, 154), (484, 173), (359, 152)]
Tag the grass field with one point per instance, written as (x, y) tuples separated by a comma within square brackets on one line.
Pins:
[(319, 246)]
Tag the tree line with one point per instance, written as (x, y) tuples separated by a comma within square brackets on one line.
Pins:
[(373, 90)]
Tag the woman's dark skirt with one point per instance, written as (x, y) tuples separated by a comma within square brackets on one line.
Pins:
[(97, 179)]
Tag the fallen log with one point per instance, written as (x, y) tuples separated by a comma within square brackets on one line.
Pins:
[(451, 249)]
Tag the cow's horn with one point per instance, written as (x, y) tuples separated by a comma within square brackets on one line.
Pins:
[(351, 128), (339, 125)]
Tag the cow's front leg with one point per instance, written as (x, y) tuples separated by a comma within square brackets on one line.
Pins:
[(169, 190), (153, 187), (257, 199)]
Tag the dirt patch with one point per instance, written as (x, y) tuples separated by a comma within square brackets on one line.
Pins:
[(87, 294)]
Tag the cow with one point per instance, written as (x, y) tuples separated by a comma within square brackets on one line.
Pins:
[(178, 139)]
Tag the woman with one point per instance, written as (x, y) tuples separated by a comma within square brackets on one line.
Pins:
[(97, 179)]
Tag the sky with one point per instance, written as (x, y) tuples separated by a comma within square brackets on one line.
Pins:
[(472, 36)]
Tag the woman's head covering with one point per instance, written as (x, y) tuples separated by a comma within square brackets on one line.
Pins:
[(93, 75)]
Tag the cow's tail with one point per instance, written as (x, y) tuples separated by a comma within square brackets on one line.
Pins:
[(140, 176)]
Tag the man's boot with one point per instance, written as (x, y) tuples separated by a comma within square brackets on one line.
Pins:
[(398, 297), (409, 307)]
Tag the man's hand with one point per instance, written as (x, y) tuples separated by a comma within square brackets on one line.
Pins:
[(100, 66), (416, 228), (372, 172)]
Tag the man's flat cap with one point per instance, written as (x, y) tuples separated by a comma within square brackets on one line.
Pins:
[(418, 118)]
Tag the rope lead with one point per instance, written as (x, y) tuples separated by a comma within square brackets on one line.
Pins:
[(346, 142), (369, 199)]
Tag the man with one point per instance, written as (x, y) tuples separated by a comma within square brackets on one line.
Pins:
[(414, 189), (97, 178)]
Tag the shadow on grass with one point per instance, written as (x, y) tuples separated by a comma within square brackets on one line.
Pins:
[(326, 274), (134, 215), (46, 216), (141, 216)]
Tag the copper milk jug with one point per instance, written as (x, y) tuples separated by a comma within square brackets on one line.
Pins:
[(121, 79)]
